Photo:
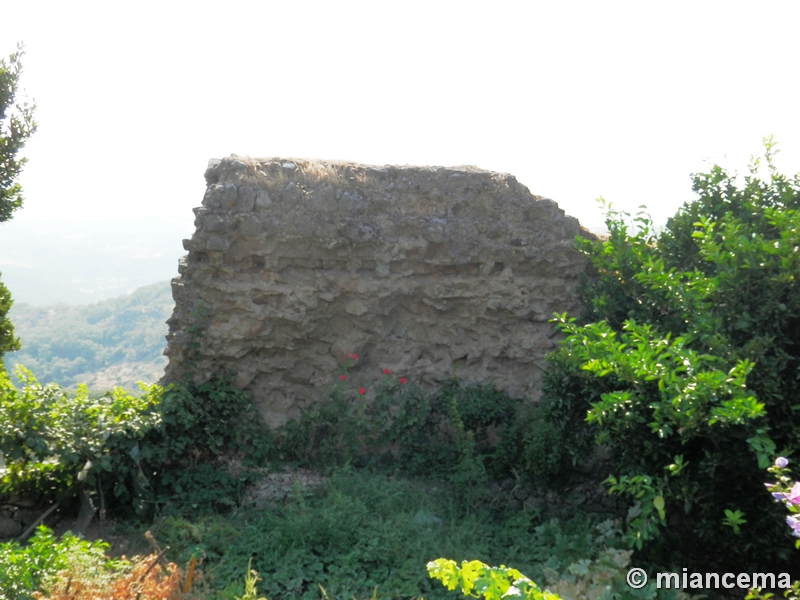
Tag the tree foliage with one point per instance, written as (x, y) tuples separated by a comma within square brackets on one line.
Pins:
[(16, 126), (688, 358), (8, 343)]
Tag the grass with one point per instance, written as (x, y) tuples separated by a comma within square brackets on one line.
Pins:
[(269, 174)]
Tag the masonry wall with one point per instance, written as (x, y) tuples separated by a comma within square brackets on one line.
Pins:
[(428, 272)]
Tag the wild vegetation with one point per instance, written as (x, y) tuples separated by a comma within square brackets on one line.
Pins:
[(686, 366), (157, 460)]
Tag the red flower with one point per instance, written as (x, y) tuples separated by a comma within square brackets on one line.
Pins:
[(386, 371), (402, 380), (362, 391), (353, 356), (342, 377)]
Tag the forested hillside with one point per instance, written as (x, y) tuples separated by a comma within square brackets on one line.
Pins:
[(116, 342)]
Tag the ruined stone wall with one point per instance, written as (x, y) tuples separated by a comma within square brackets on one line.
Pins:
[(428, 272)]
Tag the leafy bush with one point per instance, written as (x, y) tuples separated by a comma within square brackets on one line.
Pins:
[(53, 443), (687, 354), (206, 487), (445, 433), (199, 425), (202, 422), (126, 452), (27, 569), (549, 443)]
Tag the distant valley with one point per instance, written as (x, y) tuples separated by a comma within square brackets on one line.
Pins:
[(115, 342)]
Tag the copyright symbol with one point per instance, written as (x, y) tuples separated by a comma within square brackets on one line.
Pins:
[(637, 578)]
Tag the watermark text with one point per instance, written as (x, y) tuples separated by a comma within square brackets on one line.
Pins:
[(637, 578)]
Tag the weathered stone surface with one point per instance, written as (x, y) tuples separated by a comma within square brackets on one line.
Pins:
[(430, 272), (9, 528)]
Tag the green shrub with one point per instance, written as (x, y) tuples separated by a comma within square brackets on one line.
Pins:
[(198, 426), (327, 433), (53, 443), (445, 433), (688, 356), (533, 446), (34, 566), (202, 422), (545, 442), (128, 452)]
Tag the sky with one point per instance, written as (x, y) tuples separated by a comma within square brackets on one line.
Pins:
[(578, 100)]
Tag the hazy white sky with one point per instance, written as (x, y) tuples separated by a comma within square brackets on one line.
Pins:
[(576, 99)]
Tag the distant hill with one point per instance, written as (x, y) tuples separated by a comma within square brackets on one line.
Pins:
[(115, 342)]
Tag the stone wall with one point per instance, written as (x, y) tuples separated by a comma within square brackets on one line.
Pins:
[(429, 272)]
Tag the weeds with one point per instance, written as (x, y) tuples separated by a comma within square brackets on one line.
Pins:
[(405, 484), (367, 534)]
